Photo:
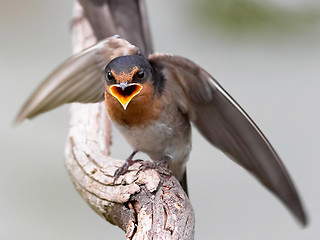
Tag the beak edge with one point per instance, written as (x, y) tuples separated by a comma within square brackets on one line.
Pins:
[(124, 100)]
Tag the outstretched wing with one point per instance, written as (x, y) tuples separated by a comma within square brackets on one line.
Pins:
[(127, 19), (78, 79), (226, 125)]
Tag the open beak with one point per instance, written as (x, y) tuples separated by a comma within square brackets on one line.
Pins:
[(124, 92)]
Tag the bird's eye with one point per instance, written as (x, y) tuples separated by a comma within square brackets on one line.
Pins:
[(140, 74), (110, 76)]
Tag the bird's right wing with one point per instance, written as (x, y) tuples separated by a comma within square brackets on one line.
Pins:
[(78, 79)]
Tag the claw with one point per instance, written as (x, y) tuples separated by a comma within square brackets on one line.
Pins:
[(124, 168)]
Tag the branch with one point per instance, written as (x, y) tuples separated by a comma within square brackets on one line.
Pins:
[(145, 203)]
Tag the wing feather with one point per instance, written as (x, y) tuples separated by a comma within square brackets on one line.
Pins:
[(78, 79), (129, 20), (221, 120)]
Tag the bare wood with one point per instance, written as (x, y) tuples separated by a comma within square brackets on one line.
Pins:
[(146, 204)]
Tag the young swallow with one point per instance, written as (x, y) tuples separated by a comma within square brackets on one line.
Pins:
[(153, 100)]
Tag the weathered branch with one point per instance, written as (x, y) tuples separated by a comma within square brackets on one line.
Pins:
[(146, 204)]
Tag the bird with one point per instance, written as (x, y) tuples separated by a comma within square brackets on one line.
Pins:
[(154, 99)]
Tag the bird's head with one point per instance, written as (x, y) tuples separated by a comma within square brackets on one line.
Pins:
[(126, 76)]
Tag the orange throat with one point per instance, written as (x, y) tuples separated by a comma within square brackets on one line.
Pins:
[(142, 110)]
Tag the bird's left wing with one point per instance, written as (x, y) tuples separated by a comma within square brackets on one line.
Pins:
[(225, 124), (78, 79)]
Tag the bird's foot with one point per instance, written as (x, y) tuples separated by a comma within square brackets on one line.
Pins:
[(124, 168), (161, 166)]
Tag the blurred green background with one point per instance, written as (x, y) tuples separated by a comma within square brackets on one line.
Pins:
[(266, 54), (272, 16)]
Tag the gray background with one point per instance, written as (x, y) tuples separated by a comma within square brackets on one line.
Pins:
[(273, 75)]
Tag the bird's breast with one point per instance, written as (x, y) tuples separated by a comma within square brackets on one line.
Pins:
[(160, 140), (150, 139), (155, 126)]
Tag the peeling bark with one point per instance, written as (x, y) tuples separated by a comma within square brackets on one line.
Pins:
[(146, 203)]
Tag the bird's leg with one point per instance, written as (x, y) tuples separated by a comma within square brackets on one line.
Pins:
[(124, 168)]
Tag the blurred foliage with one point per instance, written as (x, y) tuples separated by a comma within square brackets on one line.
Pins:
[(244, 16)]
